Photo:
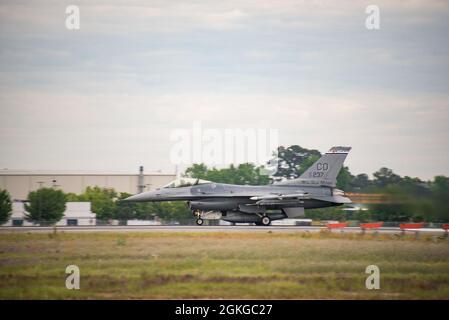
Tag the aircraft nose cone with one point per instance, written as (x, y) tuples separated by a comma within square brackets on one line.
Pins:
[(138, 197)]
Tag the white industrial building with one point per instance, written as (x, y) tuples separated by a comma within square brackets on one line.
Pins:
[(20, 183), (75, 214)]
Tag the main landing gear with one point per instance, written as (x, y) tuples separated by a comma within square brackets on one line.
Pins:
[(265, 221)]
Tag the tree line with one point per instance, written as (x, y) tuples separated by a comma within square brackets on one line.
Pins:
[(410, 198), (46, 206)]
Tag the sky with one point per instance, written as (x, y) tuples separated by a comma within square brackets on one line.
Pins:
[(108, 96)]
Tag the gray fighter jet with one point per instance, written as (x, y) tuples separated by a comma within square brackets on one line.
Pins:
[(315, 188)]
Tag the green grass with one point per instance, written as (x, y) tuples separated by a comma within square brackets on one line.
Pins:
[(222, 265)]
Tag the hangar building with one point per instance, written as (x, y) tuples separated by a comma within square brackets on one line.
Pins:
[(20, 183), (76, 213)]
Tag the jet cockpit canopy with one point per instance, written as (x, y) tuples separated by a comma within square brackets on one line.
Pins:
[(185, 182)]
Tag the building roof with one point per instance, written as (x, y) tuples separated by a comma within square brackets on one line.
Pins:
[(6, 172)]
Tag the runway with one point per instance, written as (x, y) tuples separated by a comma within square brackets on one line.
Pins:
[(206, 229)]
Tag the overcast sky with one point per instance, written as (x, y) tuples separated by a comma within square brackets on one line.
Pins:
[(106, 97)]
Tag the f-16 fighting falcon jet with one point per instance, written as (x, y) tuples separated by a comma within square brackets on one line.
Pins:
[(315, 188)]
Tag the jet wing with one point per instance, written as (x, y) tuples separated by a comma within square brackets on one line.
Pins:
[(280, 196)]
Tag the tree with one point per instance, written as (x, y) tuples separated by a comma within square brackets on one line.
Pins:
[(384, 177), (399, 212), (102, 201), (293, 161), (198, 171), (124, 210), (440, 196), (144, 210), (72, 197), (133, 210), (5, 206), (245, 173), (175, 210), (360, 182), (46, 206), (344, 179)]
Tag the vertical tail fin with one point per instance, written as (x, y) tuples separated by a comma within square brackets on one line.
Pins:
[(326, 168)]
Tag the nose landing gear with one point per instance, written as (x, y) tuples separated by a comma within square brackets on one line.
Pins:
[(198, 214)]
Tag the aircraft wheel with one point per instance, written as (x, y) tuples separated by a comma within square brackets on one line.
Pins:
[(265, 221), (199, 221)]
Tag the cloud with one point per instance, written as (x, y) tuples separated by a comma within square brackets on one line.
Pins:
[(108, 95), (117, 130)]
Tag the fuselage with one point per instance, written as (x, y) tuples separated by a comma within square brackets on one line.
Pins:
[(228, 197), (314, 188)]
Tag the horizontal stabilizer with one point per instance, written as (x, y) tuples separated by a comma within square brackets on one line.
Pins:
[(297, 212), (333, 199)]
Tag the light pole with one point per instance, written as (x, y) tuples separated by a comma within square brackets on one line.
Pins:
[(40, 198)]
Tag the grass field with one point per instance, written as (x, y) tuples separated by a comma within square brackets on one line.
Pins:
[(222, 265)]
